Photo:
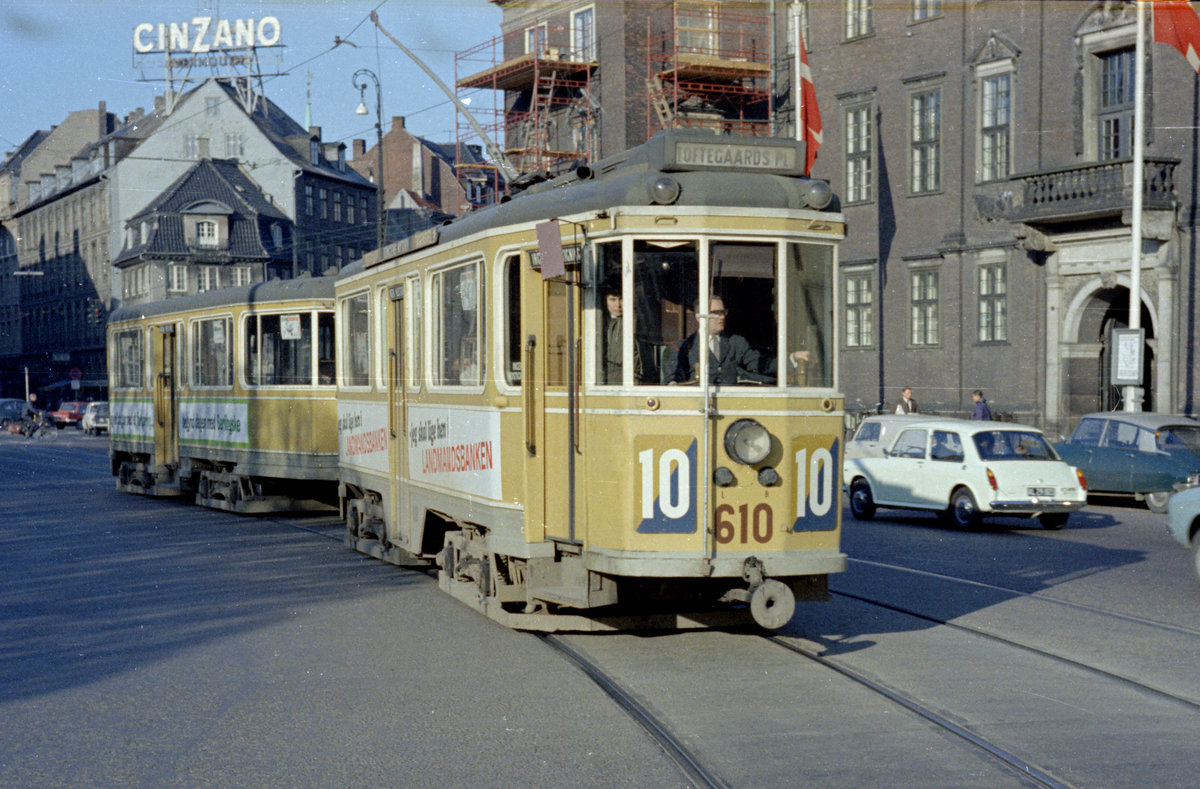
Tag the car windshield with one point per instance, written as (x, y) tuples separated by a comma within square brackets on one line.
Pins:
[(1012, 445), (1178, 437)]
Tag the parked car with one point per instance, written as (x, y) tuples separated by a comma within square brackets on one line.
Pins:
[(1183, 521), (10, 410), (95, 418), (967, 470), (1143, 454), (68, 413), (875, 432)]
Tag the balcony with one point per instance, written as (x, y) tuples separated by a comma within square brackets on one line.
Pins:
[(1091, 191)]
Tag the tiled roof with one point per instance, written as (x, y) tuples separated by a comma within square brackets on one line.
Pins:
[(215, 180)]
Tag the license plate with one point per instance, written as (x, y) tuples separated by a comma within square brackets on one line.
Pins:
[(1041, 491)]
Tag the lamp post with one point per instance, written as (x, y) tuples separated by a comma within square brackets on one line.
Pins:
[(360, 82)]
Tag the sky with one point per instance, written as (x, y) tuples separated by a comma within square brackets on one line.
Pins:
[(57, 56)]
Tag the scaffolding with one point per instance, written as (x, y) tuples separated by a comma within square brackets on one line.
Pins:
[(542, 102), (710, 70)]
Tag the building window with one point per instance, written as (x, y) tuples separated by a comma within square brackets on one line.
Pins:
[(860, 315), (191, 146), (995, 99), (308, 199), (696, 26), (242, 275), (212, 105), (858, 154), (924, 299), (323, 200), (1115, 116), (926, 132), (362, 209), (583, 34), (209, 279), (206, 233), (535, 40), (235, 146), (177, 278), (859, 19), (926, 9), (337, 206), (993, 303)]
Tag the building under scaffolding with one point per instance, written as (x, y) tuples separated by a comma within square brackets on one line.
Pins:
[(571, 82)]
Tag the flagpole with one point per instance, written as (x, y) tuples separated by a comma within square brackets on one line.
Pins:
[(794, 10), (1134, 394)]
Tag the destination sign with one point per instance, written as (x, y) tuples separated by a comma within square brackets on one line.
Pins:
[(736, 155)]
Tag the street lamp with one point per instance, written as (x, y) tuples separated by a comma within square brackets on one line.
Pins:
[(360, 82)]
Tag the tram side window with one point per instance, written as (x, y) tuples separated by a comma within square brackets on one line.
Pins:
[(458, 295), (512, 327), (326, 354), (131, 358), (279, 350), (212, 360), (412, 353), (666, 277), (610, 326), (810, 312), (357, 353)]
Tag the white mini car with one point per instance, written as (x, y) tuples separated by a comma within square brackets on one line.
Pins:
[(967, 470)]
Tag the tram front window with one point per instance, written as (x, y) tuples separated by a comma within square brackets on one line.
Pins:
[(666, 284)]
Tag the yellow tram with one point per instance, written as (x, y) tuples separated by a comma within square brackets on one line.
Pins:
[(228, 395), (611, 401)]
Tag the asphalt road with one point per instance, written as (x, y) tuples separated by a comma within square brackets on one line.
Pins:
[(152, 643)]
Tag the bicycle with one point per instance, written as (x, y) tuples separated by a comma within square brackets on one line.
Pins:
[(40, 427)]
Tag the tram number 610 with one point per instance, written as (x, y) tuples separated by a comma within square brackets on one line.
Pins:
[(758, 522)]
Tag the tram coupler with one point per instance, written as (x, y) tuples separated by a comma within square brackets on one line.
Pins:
[(772, 602)]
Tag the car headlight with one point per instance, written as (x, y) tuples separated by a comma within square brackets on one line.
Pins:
[(748, 442)]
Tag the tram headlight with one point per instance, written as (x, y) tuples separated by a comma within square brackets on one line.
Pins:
[(723, 477), (768, 477), (748, 442), (664, 190)]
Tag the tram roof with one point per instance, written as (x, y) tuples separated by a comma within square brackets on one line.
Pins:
[(768, 170), (258, 293)]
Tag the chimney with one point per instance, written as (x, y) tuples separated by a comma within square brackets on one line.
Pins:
[(359, 149), (159, 103), (397, 122), (102, 120), (314, 131)]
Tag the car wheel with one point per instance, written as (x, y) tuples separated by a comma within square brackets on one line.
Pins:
[(862, 503), (1156, 502), (964, 512), (1196, 554), (1054, 520)]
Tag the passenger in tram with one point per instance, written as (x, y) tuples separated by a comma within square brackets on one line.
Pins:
[(731, 359)]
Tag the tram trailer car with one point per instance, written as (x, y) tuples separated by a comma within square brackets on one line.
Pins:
[(517, 403), (228, 396)]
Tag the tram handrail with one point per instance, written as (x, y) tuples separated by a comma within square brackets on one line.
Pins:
[(527, 379)]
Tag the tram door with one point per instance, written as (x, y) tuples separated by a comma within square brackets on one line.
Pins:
[(166, 436), (397, 399), (550, 432)]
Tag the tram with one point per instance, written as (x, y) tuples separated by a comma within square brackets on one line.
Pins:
[(611, 401), (228, 396)]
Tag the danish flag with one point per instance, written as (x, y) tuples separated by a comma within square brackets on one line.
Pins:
[(810, 114), (1176, 24)]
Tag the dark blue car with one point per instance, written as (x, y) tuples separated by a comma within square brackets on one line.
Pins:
[(1137, 453)]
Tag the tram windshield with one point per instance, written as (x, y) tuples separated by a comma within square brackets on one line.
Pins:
[(753, 288)]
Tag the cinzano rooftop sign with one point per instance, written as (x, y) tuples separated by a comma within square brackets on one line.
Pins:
[(205, 34)]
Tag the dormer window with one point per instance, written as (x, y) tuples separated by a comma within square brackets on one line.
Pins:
[(206, 233)]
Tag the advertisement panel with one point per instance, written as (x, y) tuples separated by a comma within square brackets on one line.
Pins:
[(214, 423), (363, 436), (131, 419), (455, 449)]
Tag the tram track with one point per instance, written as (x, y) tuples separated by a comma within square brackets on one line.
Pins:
[(975, 630), (1022, 767)]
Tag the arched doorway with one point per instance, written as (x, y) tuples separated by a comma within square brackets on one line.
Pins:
[(1089, 385)]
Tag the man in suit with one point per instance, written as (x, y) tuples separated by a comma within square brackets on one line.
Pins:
[(907, 404), (730, 357)]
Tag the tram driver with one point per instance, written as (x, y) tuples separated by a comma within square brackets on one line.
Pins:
[(731, 359)]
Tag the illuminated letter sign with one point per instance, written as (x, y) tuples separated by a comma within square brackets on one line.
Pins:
[(204, 34)]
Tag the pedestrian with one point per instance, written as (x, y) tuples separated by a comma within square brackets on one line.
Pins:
[(982, 411), (907, 404)]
